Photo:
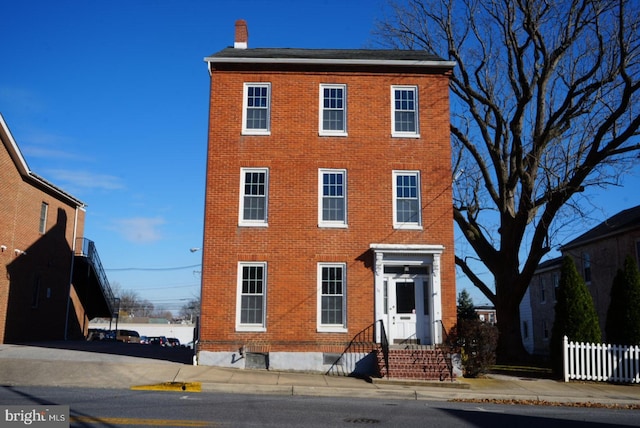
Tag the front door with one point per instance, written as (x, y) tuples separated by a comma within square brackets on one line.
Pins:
[(402, 310), (408, 310)]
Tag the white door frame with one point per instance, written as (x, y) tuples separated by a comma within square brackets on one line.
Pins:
[(414, 322), (392, 256)]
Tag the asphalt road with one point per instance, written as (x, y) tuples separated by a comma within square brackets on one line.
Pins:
[(117, 408)]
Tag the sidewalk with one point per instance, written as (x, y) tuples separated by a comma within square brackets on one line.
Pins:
[(46, 365)]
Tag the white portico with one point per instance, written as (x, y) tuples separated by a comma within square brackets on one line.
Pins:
[(408, 292)]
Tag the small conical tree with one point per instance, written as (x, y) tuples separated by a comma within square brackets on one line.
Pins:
[(575, 314), (466, 310), (623, 315)]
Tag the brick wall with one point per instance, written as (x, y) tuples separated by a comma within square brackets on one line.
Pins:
[(293, 244), (46, 264)]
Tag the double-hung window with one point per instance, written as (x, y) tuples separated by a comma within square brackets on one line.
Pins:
[(44, 209), (254, 192), (332, 206), (332, 303), (404, 111), (256, 113), (333, 110), (252, 296), (406, 200)]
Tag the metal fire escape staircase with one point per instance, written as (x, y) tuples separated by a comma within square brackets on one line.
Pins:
[(91, 283)]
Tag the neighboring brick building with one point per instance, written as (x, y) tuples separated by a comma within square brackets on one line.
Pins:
[(328, 202), (598, 254), (39, 224)]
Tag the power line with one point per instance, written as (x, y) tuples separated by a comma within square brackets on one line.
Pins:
[(152, 269)]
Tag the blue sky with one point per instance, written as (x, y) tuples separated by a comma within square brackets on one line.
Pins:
[(109, 101)]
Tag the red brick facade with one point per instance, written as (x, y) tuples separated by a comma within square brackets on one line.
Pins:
[(37, 266), (292, 244)]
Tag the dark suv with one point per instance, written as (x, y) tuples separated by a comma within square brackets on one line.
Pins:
[(158, 340)]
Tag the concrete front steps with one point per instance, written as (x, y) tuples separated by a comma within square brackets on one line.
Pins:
[(416, 362)]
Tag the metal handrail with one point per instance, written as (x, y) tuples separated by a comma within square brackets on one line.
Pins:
[(88, 250), (445, 343), (365, 340)]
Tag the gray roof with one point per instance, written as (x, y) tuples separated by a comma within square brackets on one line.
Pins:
[(623, 221), (330, 56)]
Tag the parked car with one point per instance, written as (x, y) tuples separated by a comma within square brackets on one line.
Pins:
[(144, 340), (173, 342), (158, 340), (127, 336), (97, 334)]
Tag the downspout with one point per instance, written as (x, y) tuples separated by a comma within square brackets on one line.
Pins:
[(73, 257)]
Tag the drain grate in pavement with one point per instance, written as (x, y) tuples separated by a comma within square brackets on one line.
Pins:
[(362, 421)]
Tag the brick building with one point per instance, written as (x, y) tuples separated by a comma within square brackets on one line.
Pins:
[(51, 285), (598, 254), (328, 203)]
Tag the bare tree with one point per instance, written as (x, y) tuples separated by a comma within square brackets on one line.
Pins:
[(191, 309), (545, 104)]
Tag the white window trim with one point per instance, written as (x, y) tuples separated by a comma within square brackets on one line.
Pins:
[(332, 133), (245, 130), (396, 223), (44, 217), (398, 134), (251, 327), (332, 328), (253, 223), (325, 223)]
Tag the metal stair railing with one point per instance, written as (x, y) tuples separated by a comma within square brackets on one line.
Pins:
[(88, 250), (365, 341)]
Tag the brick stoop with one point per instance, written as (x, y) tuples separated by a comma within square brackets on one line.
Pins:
[(415, 362)]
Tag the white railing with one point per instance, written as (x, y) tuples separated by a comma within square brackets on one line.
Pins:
[(601, 362)]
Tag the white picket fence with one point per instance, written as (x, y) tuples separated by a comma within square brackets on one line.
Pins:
[(601, 362)]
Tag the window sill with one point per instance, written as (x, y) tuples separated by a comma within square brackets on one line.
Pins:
[(256, 133), (253, 225), (396, 135), (332, 134), (333, 226), (407, 226), (242, 328), (337, 329)]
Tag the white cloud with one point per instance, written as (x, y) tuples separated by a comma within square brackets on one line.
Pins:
[(140, 230), (83, 179)]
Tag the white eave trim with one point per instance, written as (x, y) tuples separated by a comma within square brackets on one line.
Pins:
[(404, 63), (23, 168)]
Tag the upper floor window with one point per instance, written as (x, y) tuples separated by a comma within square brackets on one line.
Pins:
[(44, 209), (254, 192), (257, 109), (586, 267), (406, 200), (331, 297), (252, 291), (333, 110), (404, 111), (543, 296), (332, 206)]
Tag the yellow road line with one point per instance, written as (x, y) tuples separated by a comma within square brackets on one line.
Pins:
[(90, 420), (170, 386)]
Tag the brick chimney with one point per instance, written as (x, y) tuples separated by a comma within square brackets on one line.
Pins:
[(242, 34)]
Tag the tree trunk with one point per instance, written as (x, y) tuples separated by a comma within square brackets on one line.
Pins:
[(510, 348)]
